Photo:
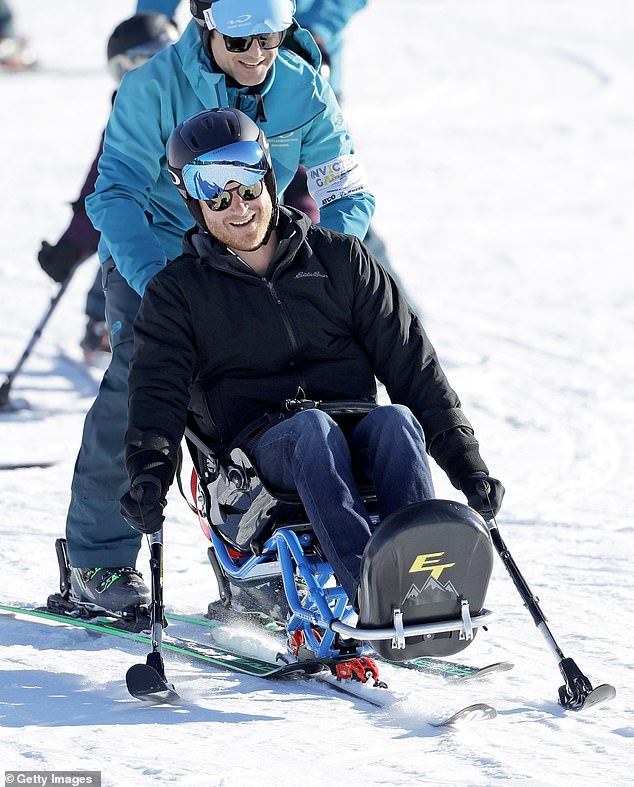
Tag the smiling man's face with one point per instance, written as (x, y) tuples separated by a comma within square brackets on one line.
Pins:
[(247, 68), (244, 224)]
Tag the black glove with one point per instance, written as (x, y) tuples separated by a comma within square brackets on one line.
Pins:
[(142, 507), (484, 494), (150, 461), (58, 260)]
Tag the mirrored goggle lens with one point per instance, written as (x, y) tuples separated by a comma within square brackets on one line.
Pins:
[(265, 41), (206, 176), (247, 193)]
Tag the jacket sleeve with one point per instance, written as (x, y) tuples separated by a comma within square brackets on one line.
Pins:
[(162, 365), (128, 170), (80, 231), (327, 18), (336, 180), (405, 360), (167, 7)]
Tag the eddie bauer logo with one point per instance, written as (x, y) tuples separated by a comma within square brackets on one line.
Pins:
[(431, 563), (311, 275)]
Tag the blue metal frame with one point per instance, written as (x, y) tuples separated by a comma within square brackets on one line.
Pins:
[(324, 600)]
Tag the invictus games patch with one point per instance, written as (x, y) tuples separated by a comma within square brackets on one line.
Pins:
[(336, 179)]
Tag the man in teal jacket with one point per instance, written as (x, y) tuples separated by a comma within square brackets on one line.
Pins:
[(326, 20), (229, 55), (294, 106)]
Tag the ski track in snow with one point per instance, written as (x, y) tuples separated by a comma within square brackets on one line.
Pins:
[(498, 139)]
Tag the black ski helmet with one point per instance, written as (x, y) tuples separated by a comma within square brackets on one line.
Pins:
[(198, 8), (135, 40), (210, 130)]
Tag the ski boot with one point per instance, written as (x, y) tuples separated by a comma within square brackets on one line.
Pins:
[(111, 589), (96, 592)]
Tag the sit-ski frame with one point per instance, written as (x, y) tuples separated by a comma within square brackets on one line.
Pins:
[(328, 607), (325, 606)]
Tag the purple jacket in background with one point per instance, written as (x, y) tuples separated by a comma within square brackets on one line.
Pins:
[(80, 231)]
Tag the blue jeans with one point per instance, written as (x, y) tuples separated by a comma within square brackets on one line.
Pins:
[(96, 533), (309, 453)]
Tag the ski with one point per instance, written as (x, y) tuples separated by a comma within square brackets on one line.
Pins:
[(602, 693), (381, 699), (185, 647), (44, 463), (479, 711), (146, 682), (451, 670)]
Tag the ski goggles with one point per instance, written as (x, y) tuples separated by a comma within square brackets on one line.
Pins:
[(119, 65), (136, 56), (246, 193), (207, 175), (243, 43)]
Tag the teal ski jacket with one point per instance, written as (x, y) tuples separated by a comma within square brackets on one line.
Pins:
[(135, 206)]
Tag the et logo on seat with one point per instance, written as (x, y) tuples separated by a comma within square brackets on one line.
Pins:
[(431, 563)]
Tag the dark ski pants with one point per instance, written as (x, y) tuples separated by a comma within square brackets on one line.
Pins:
[(95, 299), (308, 453), (96, 533)]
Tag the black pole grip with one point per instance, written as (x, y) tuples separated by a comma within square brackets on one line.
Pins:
[(483, 488)]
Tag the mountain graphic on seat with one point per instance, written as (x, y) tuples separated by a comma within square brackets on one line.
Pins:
[(432, 592)]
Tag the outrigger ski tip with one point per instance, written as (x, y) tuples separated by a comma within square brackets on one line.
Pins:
[(602, 693), (146, 683), (577, 693)]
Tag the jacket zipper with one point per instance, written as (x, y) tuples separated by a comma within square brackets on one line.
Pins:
[(285, 321)]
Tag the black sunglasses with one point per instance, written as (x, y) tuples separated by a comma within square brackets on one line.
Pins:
[(247, 193), (243, 43)]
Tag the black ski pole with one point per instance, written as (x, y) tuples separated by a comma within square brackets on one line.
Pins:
[(5, 388), (147, 681), (577, 691)]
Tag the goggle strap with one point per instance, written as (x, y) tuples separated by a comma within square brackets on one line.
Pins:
[(209, 19)]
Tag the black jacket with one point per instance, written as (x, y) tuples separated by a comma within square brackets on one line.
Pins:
[(214, 336)]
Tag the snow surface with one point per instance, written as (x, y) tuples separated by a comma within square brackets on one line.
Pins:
[(499, 137)]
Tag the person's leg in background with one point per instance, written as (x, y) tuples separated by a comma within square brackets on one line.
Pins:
[(102, 546)]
